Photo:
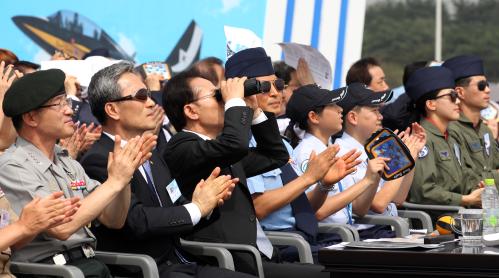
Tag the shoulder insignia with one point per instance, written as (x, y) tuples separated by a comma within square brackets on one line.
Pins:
[(423, 152)]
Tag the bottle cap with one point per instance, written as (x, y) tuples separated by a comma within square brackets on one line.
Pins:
[(489, 182)]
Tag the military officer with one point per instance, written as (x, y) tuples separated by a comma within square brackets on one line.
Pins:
[(442, 175), (35, 165), (470, 131)]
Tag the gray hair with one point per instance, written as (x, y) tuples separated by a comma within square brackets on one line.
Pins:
[(104, 87)]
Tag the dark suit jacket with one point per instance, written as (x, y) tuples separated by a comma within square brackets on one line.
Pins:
[(149, 229), (191, 158)]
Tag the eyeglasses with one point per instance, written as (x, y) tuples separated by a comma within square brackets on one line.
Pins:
[(217, 94), (141, 95), (481, 85), (453, 96), (278, 85), (64, 102)]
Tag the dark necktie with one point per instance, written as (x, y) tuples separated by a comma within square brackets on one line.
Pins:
[(302, 211), (152, 187), (150, 182)]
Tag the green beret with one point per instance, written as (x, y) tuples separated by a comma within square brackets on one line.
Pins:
[(33, 90)]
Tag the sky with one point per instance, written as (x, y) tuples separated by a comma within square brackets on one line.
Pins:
[(148, 28)]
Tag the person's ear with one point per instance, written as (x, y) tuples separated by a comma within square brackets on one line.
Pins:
[(460, 92), (352, 117), (191, 112), (313, 117), (431, 105), (112, 111), (30, 119)]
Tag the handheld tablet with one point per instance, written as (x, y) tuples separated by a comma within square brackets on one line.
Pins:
[(385, 143), (376, 136), (157, 68)]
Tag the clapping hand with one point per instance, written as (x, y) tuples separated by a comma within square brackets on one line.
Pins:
[(342, 167)]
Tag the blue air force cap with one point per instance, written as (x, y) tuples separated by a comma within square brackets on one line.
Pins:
[(426, 80), (309, 97), (464, 66), (251, 62), (360, 95), (33, 90)]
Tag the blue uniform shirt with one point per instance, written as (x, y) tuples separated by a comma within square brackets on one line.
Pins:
[(282, 218)]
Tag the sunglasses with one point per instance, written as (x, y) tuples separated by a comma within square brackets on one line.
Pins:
[(481, 85), (452, 95), (279, 85), (141, 95), (217, 94)]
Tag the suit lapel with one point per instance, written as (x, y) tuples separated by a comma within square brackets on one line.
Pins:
[(139, 179)]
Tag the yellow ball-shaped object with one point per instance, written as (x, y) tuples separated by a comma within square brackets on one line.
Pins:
[(444, 225)]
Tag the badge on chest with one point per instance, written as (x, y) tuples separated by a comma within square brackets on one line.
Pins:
[(173, 191), (444, 155)]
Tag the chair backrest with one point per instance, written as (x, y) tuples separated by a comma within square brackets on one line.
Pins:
[(145, 263), (66, 271)]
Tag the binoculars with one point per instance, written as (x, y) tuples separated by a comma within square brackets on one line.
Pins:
[(253, 87)]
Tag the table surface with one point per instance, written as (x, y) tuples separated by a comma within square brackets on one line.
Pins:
[(450, 260)]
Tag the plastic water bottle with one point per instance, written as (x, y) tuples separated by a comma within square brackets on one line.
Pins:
[(490, 205)]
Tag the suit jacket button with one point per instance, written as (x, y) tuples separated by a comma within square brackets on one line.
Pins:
[(252, 217)]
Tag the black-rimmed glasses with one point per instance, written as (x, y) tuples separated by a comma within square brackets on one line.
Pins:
[(141, 95)]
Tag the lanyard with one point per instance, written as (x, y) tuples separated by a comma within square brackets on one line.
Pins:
[(349, 206)]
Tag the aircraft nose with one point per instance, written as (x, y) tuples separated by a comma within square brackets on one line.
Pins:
[(19, 19)]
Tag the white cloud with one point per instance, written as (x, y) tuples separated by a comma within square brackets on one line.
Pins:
[(40, 56), (126, 43), (228, 5)]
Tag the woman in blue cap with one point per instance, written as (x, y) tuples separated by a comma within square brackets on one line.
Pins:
[(442, 175)]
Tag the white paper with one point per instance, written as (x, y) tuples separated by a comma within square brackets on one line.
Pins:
[(338, 245), (318, 64), (238, 39), (83, 70), (410, 239)]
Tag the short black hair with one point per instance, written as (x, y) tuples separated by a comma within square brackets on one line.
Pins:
[(359, 71), (463, 82), (17, 122), (410, 68), (283, 71), (205, 68), (176, 94)]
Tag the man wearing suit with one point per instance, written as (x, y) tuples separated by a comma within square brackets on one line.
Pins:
[(121, 102), (215, 133)]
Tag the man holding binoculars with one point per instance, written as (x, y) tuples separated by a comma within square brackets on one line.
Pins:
[(212, 133)]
